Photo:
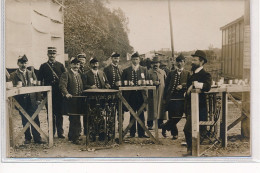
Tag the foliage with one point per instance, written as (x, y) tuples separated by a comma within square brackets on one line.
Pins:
[(92, 28)]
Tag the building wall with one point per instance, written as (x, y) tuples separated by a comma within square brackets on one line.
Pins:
[(31, 27)]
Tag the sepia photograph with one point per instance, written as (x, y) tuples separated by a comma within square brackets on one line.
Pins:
[(126, 80)]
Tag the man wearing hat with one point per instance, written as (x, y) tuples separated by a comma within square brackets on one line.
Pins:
[(175, 87), (134, 73), (49, 75), (71, 85), (164, 67), (114, 72), (83, 65), (203, 79), (94, 79), (29, 102), (158, 77)]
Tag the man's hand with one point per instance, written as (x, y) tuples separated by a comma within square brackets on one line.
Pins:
[(38, 102), (156, 83), (68, 96), (179, 87), (93, 87), (107, 86), (189, 90)]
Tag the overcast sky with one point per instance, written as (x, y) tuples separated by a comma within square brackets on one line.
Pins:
[(196, 23)]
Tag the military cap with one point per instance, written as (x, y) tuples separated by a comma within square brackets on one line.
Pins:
[(93, 60), (74, 60), (180, 58), (22, 59), (82, 55), (52, 50), (115, 54), (134, 55), (201, 54), (155, 59)]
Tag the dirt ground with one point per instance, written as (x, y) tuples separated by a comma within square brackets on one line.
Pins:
[(131, 147)]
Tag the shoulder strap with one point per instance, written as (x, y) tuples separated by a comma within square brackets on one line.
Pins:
[(52, 70)]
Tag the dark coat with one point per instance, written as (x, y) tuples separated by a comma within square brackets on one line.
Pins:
[(17, 76), (89, 80), (205, 78), (84, 69), (170, 81), (127, 73), (109, 74)]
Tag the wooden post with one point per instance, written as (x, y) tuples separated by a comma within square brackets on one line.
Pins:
[(120, 125), (7, 125), (195, 123), (223, 125), (49, 98), (155, 106), (245, 123)]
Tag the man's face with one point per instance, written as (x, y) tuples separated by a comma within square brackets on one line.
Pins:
[(115, 60), (196, 63), (22, 65), (135, 61), (95, 65), (75, 66), (82, 61), (180, 64), (52, 56), (155, 65)]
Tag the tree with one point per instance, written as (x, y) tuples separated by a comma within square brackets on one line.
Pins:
[(92, 28)]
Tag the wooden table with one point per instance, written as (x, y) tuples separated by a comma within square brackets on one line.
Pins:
[(11, 103), (122, 100), (223, 126)]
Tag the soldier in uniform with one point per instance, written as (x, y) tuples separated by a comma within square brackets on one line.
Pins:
[(71, 85), (83, 65), (175, 87), (135, 98), (164, 67), (94, 79), (29, 102), (113, 72), (203, 79), (49, 75)]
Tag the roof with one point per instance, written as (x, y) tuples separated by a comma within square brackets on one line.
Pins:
[(232, 23)]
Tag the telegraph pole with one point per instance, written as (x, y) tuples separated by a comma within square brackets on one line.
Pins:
[(170, 18)]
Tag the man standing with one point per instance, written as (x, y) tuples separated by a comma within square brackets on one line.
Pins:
[(29, 102), (203, 82), (83, 65), (49, 75), (164, 67), (113, 72), (94, 79), (71, 85), (135, 98), (158, 77), (175, 87)]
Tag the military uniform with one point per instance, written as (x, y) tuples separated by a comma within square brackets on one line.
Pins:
[(49, 78), (113, 74), (71, 83)]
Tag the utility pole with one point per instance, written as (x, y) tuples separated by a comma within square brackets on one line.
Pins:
[(170, 18)]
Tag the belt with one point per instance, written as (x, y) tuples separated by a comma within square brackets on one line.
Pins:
[(177, 99)]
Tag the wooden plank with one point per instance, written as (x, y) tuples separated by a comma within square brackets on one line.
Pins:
[(131, 88), (156, 112), (236, 122), (223, 125), (246, 113), (27, 90), (33, 117), (7, 126), (29, 119), (195, 123), (11, 129), (49, 98), (120, 114), (138, 119)]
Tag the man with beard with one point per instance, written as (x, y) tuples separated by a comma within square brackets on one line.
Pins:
[(204, 83), (29, 102), (94, 79), (175, 87), (49, 75), (114, 72), (71, 85), (83, 65), (158, 77), (135, 98)]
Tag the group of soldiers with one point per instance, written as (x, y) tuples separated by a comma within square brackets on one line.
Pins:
[(173, 88)]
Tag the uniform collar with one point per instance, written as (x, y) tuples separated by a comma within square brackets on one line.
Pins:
[(114, 65), (51, 62), (75, 72), (135, 68), (198, 69), (23, 72), (94, 71)]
